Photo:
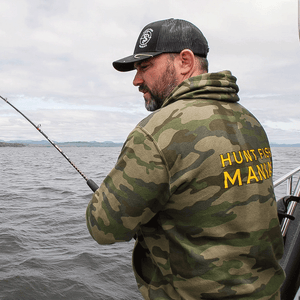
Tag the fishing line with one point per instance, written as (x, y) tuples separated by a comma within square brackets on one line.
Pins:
[(89, 182)]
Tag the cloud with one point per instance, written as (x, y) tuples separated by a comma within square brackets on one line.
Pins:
[(56, 62), (291, 125)]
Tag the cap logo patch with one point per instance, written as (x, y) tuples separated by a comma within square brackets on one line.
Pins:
[(146, 37)]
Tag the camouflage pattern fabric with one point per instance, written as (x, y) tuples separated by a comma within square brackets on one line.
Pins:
[(193, 182)]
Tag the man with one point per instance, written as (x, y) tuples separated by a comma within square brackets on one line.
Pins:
[(193, 182)]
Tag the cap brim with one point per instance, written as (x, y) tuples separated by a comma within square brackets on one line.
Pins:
[(127, 63)]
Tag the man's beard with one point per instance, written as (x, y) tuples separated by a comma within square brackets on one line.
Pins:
[(163, 88)]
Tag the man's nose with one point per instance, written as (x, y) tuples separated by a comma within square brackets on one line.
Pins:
[(138, 80)]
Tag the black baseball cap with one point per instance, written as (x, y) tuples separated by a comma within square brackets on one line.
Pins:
[(165, 36)]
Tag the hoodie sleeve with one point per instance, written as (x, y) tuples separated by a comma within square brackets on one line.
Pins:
[(133, 192)]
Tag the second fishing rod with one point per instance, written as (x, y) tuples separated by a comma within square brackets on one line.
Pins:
[(93, 186)]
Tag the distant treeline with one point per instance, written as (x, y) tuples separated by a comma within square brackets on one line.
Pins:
[(64, 144), (285, 145), (3, 144), (88, 144)]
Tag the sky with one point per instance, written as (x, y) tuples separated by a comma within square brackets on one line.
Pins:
[(56, 63)]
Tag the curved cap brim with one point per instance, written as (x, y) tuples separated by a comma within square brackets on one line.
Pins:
[(127, 63)]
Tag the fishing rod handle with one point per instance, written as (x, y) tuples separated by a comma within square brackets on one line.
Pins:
[(93, 185)]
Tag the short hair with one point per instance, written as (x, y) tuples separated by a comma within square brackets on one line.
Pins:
[(203, 63)]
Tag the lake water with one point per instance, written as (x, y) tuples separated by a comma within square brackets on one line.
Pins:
[(46, 251)]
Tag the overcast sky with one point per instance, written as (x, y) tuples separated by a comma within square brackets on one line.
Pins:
[(56, 63)]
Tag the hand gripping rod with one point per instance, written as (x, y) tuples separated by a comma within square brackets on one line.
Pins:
[(89, 182)]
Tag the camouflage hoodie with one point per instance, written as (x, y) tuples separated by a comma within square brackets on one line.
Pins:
[(193, 182)]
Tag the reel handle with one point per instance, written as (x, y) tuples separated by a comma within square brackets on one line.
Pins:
[(92, 184)]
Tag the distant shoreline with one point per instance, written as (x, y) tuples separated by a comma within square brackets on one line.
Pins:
[(63, 144), (3, 144), (285, 145), (45, 143)]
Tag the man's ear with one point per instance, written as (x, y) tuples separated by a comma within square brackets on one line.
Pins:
[(187, 60)]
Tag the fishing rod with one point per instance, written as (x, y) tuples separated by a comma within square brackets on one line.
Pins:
[(89, 182)]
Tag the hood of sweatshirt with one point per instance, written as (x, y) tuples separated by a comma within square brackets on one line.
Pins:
[(214, 86)]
